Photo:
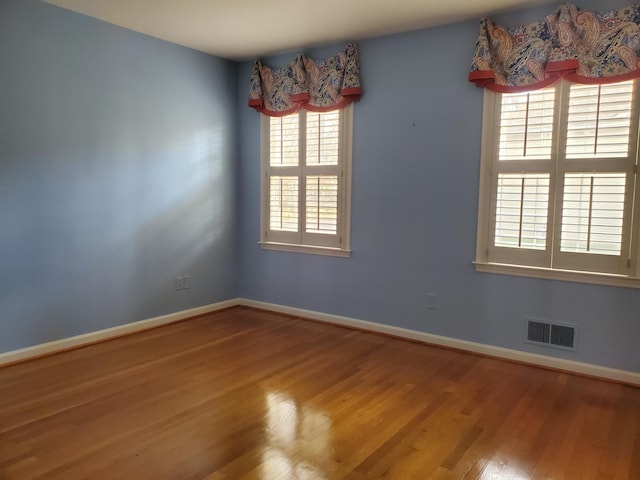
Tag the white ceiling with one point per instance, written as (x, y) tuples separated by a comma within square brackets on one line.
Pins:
[(244, 29)]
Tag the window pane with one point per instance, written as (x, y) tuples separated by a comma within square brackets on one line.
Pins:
[(283, 204), (599, 120), (323, 138), (283, 140), (522, 204), (322, 204), (526, 125), (592, 213)]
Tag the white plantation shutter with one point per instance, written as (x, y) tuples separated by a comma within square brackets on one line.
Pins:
[(522, 210), (322, 179), (323, 138), (526, 125), (284, 134), (304, 179), (322, 204), (595, 193), (522, 177), (283, 204), (592, 213), (283, 192), (599, 120), (322, 191), (562, 178)]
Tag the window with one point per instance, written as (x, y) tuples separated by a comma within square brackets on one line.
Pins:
[(306, 169), (558, 184)]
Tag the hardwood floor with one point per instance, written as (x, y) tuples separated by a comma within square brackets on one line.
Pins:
[(244, 394)]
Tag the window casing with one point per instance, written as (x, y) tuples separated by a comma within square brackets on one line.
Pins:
[(558, 183), (306, 177)]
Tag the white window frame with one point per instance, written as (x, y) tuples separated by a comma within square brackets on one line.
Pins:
[(539, 264), (303, 242)]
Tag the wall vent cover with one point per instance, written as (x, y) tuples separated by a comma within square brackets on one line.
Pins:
[(556, 335)]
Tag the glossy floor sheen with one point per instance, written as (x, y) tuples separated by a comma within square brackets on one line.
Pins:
[(244, 394)]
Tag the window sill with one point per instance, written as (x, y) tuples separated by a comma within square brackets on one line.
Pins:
[(291, 247), (608, 279)]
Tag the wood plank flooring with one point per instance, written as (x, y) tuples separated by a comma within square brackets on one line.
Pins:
[(244, 394)]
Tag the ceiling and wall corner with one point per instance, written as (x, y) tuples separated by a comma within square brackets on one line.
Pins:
[(244, 29)]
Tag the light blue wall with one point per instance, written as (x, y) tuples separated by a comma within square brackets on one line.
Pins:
[(416, 158), (119, 160), (117, 173)]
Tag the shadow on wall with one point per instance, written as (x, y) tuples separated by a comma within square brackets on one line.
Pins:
[(112, 258)]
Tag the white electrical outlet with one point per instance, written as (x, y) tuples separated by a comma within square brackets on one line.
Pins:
[(186, 283), (179, 283)]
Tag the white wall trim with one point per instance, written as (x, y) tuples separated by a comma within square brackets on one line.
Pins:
[(593, 278), (108, 333), (632, 378)]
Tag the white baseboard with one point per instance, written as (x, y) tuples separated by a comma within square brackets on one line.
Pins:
[(632, 378), (106, 334)]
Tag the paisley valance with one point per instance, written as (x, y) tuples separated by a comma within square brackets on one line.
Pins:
[(316, 85), (579, 45)]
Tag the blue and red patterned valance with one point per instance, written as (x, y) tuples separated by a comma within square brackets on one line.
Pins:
[(318, 86), (571, 43)]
